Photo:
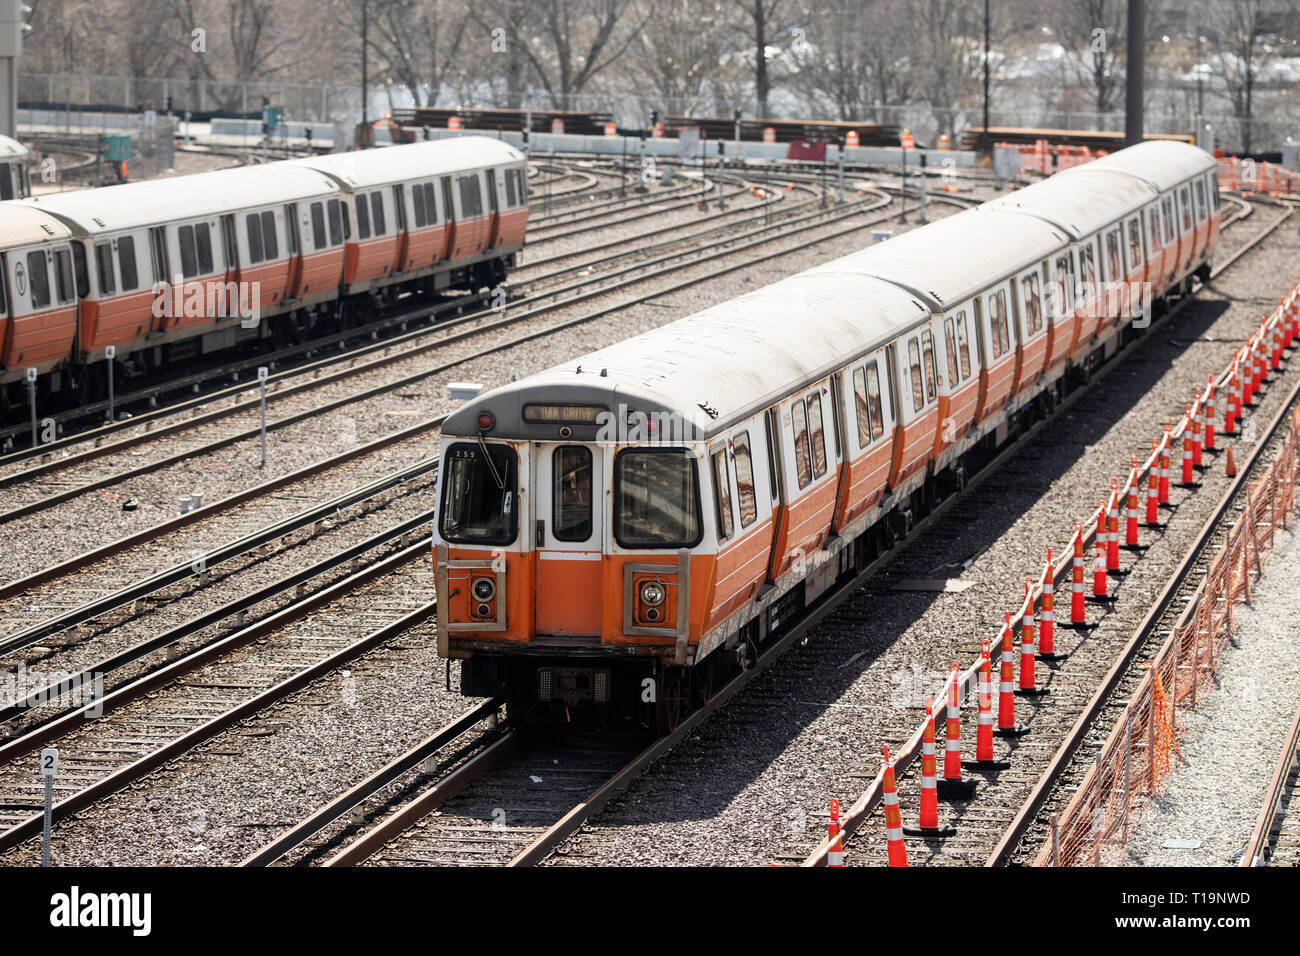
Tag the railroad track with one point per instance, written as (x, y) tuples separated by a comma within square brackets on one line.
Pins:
[(165, 713), (1275, 840)]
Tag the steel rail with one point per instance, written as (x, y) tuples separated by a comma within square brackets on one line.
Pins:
[(173, 748)]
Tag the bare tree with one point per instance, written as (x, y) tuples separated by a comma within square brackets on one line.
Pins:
[(1242, 53), (577, 39), (1092, 33), (680, 52), (846, 68)]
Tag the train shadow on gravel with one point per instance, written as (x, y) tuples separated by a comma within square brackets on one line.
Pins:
[(760, 728)]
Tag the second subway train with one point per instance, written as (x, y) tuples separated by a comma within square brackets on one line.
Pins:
[(651, 512), (320, 237)]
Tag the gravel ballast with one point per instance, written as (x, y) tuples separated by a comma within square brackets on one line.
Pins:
[(1231, 741)]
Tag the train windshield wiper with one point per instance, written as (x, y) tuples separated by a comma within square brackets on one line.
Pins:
[(499, 478)]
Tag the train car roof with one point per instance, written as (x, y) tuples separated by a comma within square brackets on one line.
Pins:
[(1161, 163), (12, 149), (154, 202), (1080, 200), (716, 367), (20, 225), (361, 169), (951, 260)]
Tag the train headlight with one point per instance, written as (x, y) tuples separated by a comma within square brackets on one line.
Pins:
[(652, 594), (484, 589)]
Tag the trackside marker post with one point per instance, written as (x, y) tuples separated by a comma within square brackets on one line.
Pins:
[(49, 767), (110, 353), (262, 372)]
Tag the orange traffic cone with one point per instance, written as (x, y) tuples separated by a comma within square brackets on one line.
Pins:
[(835, 855), (893, 819), (953, 782), (1230, 468), (928, 817), (1007, 726), (1047, 614)]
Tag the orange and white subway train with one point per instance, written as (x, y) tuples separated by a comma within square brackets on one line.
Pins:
[(312, 240), (658, 508)]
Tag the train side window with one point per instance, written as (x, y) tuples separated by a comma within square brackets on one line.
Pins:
[(336, 223), (79, 267), (816, 434), (203, 244), (746, 498), (998, 323), (521, 181), (1088, 271), (254, 239), (1185, 205), (950, 349), (189, 260), (928, 365), (1033, 304), (1167, 217), (914, 363), (430, 204), (874, 404), (39, 279), (363, 218), (318, 225), (863, 415), (4, 298), (1065, 281), (963, 345), (158, 253), (63, 283), (6, 182), (377, 213), (417, 200), (104, 268), (1213, 180), (126, 263), (1153, 221), (722, 494), (571, 498), (802, 460), (1199, 189), (511, 198), (448, 208), (1113, 267), (270, 245), (1134, 243)]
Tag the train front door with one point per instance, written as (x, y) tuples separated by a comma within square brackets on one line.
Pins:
[(567, 538)]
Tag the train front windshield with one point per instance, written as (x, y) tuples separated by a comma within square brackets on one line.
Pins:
[(479, 494)]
